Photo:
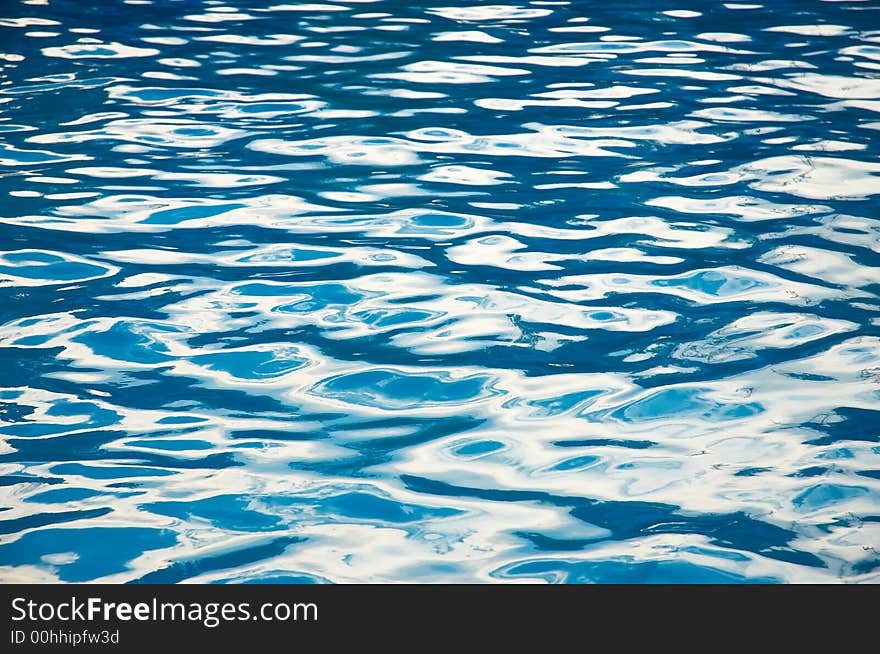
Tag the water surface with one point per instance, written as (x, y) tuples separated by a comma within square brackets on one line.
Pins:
[(376, 291)]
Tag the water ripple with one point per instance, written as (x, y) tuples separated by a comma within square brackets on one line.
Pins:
[(344, 292)]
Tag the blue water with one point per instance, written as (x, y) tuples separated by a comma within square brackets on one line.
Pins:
[(374, 291)]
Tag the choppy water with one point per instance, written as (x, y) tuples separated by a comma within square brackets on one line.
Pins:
[(374, 291)]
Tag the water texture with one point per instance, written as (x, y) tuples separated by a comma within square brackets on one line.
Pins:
[(375, 291)]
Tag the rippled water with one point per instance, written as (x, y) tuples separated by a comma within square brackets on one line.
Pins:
[(371, 291)]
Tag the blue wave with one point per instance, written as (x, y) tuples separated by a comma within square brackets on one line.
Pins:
[(371, 292)]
